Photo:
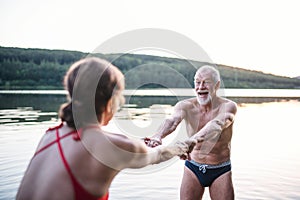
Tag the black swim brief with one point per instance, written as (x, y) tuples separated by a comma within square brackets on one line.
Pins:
[(206, 174)]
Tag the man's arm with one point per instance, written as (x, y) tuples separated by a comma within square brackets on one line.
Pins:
[(135, 154), (214, 128), (168, 126)]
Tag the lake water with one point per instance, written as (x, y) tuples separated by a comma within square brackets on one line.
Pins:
[(265, 146)]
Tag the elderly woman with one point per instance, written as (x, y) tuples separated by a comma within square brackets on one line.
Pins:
[(78, 159)]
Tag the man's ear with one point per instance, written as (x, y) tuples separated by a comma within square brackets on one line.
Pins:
[(217, 86)]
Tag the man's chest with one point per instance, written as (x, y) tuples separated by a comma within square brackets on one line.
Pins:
[(197, 120)]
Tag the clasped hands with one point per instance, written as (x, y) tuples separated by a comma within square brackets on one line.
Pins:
[(188, 145)]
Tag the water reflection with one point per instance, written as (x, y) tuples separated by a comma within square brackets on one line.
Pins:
[(265, 146), (25, 115), (28, 108), (47, 103)]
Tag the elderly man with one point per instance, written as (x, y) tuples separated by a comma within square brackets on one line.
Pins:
[(209, 119)]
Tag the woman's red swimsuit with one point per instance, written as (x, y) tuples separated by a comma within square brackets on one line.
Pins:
[(80, 192)]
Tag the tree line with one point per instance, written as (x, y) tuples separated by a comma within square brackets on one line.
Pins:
[(22, 68)]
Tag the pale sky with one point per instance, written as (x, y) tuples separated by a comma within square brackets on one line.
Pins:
[(252, 34)]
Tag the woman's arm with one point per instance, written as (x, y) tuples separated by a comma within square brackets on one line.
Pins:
[(143, 155)]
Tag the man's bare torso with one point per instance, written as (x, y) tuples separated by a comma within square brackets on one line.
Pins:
[(210, 151)]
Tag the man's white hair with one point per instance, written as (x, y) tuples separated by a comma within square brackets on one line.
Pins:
[(214, 72)]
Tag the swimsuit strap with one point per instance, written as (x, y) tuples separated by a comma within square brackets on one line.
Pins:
[(78, 134), (80, 192), (203, 167), (56, 140)]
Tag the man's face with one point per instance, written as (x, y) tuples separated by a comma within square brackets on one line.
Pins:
[(205, 87)]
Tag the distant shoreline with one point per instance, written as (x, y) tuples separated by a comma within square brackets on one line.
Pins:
[(171, 92), (44, 69)]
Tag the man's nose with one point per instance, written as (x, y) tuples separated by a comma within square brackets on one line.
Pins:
[(199, 86), (202, 85)]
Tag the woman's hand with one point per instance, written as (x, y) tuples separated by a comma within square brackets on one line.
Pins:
[(152, 142)]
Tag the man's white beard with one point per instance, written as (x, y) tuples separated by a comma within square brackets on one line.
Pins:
[(202, 101)]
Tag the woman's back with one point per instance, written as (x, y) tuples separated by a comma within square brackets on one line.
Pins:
[(63, 168)]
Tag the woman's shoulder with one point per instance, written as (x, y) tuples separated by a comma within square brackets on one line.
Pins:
[(116, 150), (128, 144), (114, 140)]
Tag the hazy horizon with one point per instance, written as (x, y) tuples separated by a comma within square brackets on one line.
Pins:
[(255, 35)]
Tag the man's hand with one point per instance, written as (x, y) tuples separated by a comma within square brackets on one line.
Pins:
[(191, 143), (152, 142)]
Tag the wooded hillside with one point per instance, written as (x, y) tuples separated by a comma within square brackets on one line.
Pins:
[(44, 69)]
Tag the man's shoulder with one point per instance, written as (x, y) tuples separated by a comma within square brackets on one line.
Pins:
[(187, 102), (231, 105), (227, 101)]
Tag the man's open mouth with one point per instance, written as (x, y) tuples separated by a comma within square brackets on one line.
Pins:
[(202, 93)]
